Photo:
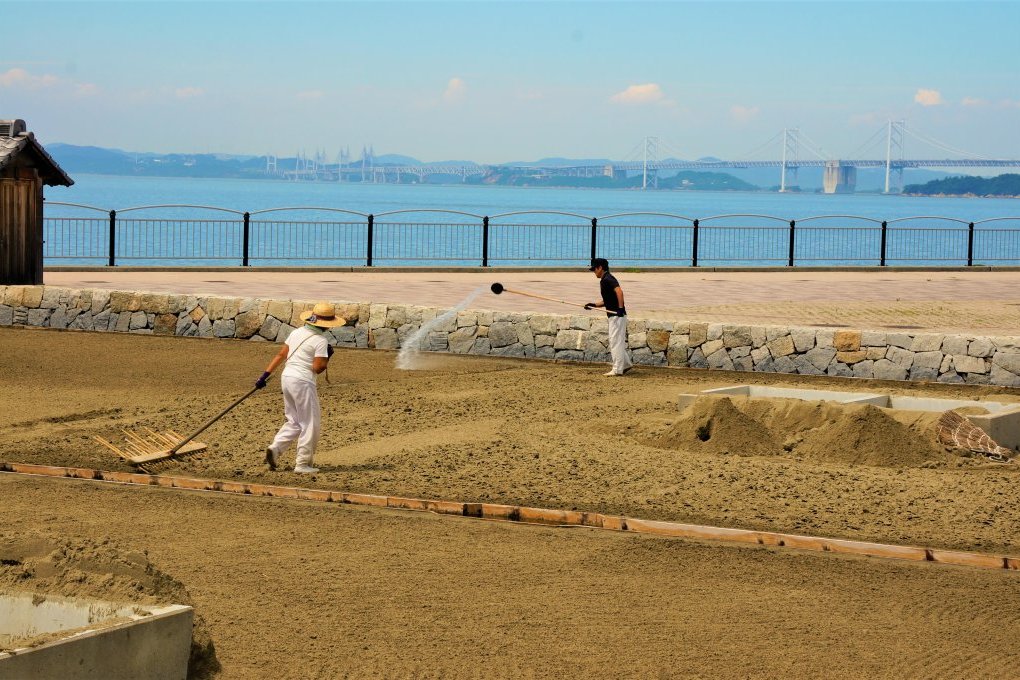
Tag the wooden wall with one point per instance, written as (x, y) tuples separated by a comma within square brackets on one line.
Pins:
[(21, 227)]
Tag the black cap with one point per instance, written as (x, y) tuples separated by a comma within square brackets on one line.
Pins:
[(599, 262)]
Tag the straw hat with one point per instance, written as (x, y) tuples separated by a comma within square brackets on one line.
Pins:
[(323, 315)]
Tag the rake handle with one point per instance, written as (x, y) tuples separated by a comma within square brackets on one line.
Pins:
[(543, 297), (213, 420)]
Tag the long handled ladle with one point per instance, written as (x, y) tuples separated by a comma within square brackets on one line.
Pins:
[(498, 288)]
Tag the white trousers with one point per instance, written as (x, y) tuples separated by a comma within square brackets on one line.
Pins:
[(618, 344), (302, 413)]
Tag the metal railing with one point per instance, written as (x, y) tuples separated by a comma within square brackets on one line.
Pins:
[(429, 237)]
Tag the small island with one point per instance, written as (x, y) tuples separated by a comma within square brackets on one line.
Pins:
[(1001, 186)]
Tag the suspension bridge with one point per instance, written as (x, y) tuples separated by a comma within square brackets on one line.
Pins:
[(797, 151)]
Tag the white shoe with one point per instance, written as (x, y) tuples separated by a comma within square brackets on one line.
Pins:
[(272, 458), (306, 469)]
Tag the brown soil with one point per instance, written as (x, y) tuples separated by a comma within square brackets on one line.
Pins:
[(297, 589)]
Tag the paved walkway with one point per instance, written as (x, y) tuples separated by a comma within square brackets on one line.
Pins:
[(982, 302)]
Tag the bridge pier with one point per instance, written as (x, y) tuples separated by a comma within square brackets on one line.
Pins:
[(839, 178)]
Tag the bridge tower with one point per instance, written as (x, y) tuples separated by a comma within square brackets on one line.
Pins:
[(791, 155), (651, 155), (270, 164), (894, 138)]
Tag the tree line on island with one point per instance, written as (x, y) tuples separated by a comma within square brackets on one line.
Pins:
[(1007, 185)]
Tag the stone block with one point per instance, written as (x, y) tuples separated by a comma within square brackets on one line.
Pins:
[(50, 297), (1006, 343), (981, 347), (923, 374), (247, 324), (805, 366), (58, 319), (697, 359), (205, 327), (678, 351), (384, 338), (154, 303), (969, 364), (955, 344), (864, 369), (569, 355), (927, 342), (784, 365), (165, 324), (766, 365), (977, 379), (698, 334), (121, 301), (876, 353), (759, 336), (182, 325), (466, 318), (736, 336), (545, 352), (715, 331), (1008, 361), (884, 369), (438, 342), (781, 346), (100, 301), (760, 354), (851, 358), (280, 309), (951, 378), (635, 340), (376, 316), (514, 350), (270, 328), (224, 328), (481, 346), (774, 332), (720, 359), (644, 357), (840, 370), (657, 340), (524, 334), (502, 334), (803, 338), (636, 325), (743, 363), (349, 312), (544, 324), (461, 340), (847, 341), (740, 352), (930, 359), (1000, 376), (580, 323), (38, 317), (898, 355), (544, 340), (569, 340), (901, 340), (138, 320), (820, 357), (872, 339), (396, 317)]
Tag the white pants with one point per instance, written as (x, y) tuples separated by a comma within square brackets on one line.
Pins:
[(618, 344), (302, 413)]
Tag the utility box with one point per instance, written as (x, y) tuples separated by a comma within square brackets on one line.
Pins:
[(24, 168)]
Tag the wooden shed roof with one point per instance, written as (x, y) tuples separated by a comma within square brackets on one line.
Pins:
[(51, 173)]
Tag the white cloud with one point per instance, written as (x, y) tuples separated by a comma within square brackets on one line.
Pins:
[(973, 101), (744, 114), (648, 93), (19, 77), (188, 92), (455, 90), (310, 95), (928, 97)]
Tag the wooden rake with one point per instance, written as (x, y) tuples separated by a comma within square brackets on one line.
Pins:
[(152, 451)]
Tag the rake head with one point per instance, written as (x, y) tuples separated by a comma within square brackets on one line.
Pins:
[(152, 450)]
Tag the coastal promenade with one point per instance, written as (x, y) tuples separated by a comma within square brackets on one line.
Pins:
[(981, 302)]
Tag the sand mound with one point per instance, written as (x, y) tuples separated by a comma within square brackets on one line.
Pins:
[(867, 435), (55, 565), (823, 431), (715, 425)]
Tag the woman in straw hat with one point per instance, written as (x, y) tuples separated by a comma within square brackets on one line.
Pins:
[(306, 354)]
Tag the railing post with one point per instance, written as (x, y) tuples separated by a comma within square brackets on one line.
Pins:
[(485, 241), (881, 257), (113, 237), (371, 228), (247, 236), (594, 237), (793, 232), (694, 245), (970, 244)]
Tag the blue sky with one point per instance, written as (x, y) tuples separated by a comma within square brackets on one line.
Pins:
[(503, 81)]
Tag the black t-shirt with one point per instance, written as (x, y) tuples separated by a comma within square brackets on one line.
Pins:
[(608, 285)]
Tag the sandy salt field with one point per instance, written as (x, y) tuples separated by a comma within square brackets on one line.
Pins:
[(298, 589)]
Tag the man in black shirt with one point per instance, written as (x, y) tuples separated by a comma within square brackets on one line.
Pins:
[(612, 300)]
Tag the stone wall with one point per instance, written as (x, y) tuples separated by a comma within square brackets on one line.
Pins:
[(777, 349)]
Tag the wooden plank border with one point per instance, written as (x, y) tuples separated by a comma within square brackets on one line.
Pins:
[(541, 516)]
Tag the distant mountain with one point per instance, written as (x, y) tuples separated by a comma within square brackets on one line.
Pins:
[(558, 162)]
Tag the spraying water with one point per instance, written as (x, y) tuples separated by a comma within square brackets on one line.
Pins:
[(409, 357)]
